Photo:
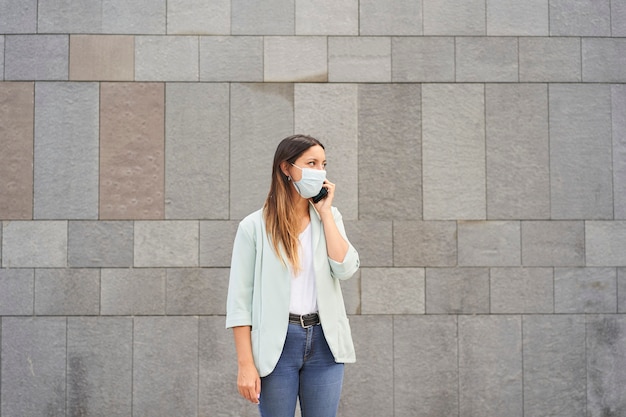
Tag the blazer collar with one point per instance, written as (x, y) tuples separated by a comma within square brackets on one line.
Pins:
[(312, 210)]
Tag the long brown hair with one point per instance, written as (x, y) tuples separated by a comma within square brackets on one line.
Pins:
[(279, 210)]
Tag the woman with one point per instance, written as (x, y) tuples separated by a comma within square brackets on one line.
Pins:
[(284, 298)]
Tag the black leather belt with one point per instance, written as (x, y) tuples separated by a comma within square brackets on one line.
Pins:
[(305, 320)]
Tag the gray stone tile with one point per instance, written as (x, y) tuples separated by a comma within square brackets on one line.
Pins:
[(491, 243), (453, 135), (490, 366), (605, 243), (457, 290), (100, 244), (145, 17), (554, 365), (18, 16), (606, 365), (33, 366), (553, 243), (279, 64), (389, 148), (518, 151), (17, 292), (62, 16), (391, 112), (425, 368), (165, 366), (517, 18), (489, 59), (422, 59), (99, 366), (216, 242), (454, 17), (580, 18), (67, 292), (585, 290), (395, 17), (429, 243), (36, 57), (2, 57), (217, 356), (198, 17), (373, 239), (166, 243), (261, 116), (618, 119), (580, 151), (392, 291), (373, 341), (66, 150), (621, 290), (359, 59), (196, 291), (604, 60), (166, 58), (327, 17), (329, 112), (133, 291), (197, 160), (618, 18), (34, 244), (271, 17), (522, 290), (543, 59), (231, 58)]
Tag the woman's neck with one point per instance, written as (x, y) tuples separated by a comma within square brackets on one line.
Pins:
[(302, 207), (302, 212)]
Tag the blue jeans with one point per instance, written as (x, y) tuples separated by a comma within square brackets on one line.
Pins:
[(306, 369)]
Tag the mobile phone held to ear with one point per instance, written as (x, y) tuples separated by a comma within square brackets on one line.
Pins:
[(322, 195)]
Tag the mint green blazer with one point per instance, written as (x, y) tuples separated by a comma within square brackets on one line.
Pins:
[(259, 291)]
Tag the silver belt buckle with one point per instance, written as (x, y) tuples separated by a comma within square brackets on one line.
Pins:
[(302, 322)]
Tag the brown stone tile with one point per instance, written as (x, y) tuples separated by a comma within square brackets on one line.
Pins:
[(16, 150), (132, 143), (102, 57)]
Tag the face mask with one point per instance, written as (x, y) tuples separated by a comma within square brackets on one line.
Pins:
[(311, 182)]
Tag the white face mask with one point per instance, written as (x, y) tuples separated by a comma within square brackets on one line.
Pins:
[(311, 182)]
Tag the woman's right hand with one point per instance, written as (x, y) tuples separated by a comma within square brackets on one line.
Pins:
[(249, 383)]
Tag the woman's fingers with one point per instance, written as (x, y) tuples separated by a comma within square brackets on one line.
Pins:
[(249, 384), (327, 201), (250, 394)]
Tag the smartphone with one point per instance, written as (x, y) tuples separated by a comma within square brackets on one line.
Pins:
[(322, 194)]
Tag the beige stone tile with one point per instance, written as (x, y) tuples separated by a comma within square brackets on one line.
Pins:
[(132, 142), (16, 150), (102, 57)]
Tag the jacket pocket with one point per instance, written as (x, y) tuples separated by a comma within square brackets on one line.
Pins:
[(345, 346)]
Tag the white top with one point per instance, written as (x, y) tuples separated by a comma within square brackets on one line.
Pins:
[(303, 291)]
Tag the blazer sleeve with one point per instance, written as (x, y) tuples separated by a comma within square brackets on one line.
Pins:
[(241, 281), (350, 264)]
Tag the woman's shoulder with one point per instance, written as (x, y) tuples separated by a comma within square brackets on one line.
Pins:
[(253, 219), (251, 225)]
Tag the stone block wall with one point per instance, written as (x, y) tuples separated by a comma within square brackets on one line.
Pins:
[(479, 151)]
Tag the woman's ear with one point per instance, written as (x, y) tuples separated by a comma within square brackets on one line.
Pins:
[(284, 168)]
